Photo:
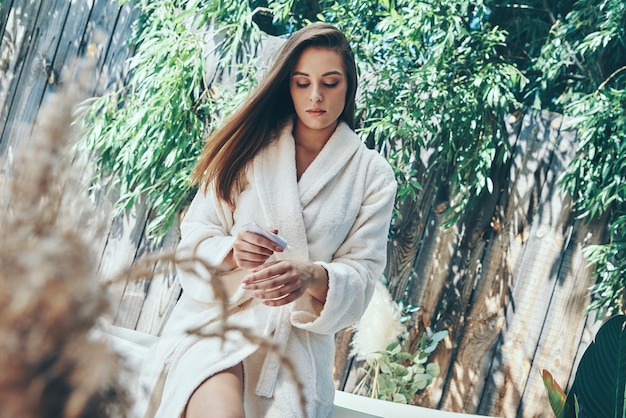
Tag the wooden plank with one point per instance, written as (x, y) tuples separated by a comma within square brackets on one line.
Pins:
[(121, 249), (476, 345), (590, 326), (66, 50), (110, 29), (8, 53), (412, 234), (33, 78), (343, 362), (404, 243), (486, 317), (107, 24), (146, 303), (471, 313), (14, 46), (465, 274), (163, 290), (431, 267), (73, 38), (565, 320), (5, 8), (532, 286)]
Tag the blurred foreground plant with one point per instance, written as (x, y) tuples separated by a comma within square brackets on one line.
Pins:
[(50, 299)]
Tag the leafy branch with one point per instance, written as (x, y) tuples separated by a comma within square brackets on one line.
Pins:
[(397, 374), (146, 137)]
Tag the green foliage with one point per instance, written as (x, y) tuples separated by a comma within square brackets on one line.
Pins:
[(599, 387), (433, 79), (146, 138), (397, 374), (586, 47), (584, 61), (597, 180), (437, 79)]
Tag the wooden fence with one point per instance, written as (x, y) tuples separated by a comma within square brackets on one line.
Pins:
[(508, 281)]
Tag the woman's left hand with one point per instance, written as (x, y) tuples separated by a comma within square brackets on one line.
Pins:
[(281, 282)]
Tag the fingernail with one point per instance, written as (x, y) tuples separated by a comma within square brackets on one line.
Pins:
[(278, 249)]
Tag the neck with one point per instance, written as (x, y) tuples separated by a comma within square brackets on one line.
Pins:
[(312, 139)]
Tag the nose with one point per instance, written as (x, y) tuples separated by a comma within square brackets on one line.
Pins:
[(315, 96)]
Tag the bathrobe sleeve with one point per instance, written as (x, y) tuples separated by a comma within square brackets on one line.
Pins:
[(205, 233), (358, 262)]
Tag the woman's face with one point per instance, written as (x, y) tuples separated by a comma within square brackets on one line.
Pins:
[(318, 88)]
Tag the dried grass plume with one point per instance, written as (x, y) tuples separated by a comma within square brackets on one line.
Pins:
[(50, 298), (380, 325)]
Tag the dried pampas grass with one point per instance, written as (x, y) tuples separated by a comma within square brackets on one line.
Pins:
[(50, 298), (380, 325)]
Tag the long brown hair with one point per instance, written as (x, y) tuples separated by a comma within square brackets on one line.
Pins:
[(232, 146)]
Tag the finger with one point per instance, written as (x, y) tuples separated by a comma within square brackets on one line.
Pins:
[(288, 298), (250, 255), (248, 265), (259, 241), (264, 284), (250, 244), (265, 272), (277, 292)]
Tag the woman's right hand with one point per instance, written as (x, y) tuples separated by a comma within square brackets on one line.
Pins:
[(251, 250)]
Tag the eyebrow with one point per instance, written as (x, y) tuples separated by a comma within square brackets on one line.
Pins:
[(335, 72)]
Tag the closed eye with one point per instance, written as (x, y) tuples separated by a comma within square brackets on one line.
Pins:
[(303, 85)]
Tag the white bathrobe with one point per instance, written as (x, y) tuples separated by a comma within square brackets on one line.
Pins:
[(336, 215)]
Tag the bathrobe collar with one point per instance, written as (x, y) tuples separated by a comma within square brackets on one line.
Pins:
[(282, 196)]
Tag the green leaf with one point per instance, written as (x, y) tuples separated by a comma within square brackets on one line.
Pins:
[(385, 365), (600, 380), (556, 395), (433, 369), (400, 398), (421, 380)]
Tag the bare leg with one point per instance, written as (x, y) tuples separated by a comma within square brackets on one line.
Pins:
[(218, 396)]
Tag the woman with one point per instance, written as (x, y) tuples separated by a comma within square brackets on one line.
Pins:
[(288, 160)]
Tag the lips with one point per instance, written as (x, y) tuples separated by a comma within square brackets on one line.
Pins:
[(316, 112)]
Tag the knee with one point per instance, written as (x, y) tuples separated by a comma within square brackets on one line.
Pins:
[(213, 413), (220, 396)]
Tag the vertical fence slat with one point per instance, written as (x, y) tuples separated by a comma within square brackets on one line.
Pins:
[(565, 319), (15, 48), (484, 320), (36, 72), (534, 280), (163, 290)]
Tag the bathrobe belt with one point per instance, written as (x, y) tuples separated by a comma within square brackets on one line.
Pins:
[(280, 321)]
